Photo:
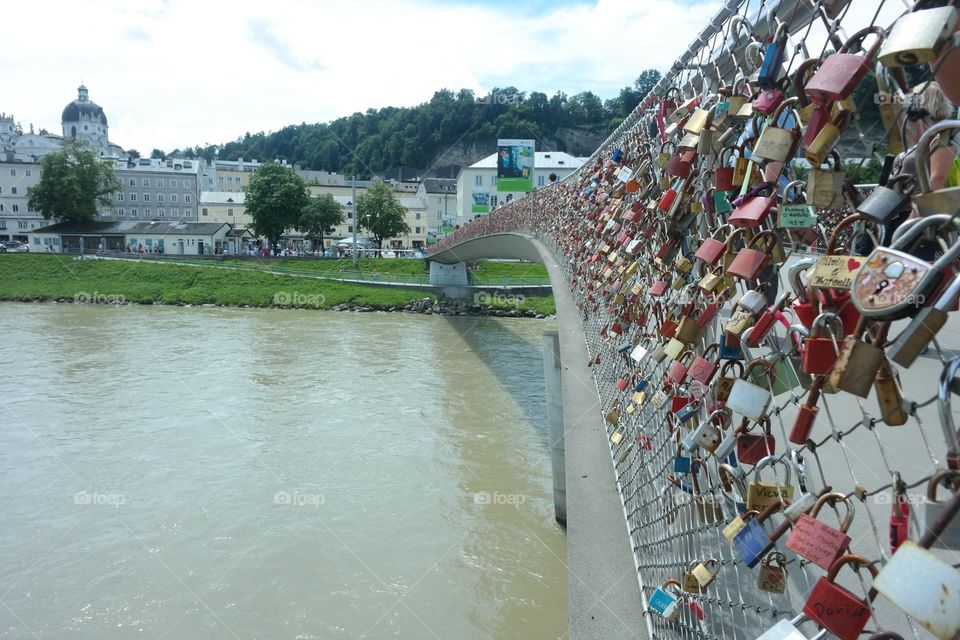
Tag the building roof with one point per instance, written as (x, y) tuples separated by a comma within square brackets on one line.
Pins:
[(222, 197), (83, 109), (440, 185), (542, 160), (127, 227)]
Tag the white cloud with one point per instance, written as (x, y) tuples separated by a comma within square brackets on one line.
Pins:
[(180, 72)]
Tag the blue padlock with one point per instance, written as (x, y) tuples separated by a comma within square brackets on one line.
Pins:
[(643, 384), (752, 542), (729, 352), (665, 603), (617, 154), (773, 57), (688, 411), (624, 347)]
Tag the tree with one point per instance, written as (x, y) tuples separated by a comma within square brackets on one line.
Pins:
[(274, 198), (133, 153), (380, 212), (319, 217), (646, 81), (158, 154), (73, 182)]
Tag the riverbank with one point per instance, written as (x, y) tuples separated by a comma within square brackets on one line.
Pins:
[(62, 278)]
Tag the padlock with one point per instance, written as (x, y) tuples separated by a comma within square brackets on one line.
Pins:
[(773, 57), (686, 412), (706, 435), (665, 603), (820, 543), (773, 573), (732, 528), (949, 538), (756, 334), (752, 448), (761, 495), (890, 395), (857, 365), (787, 630), (840, 73), (835, 608), (641, 351), (922, 585), (703, 575), (915, 338), (822, 347), (752, 210), (674, 348), (711, 250), (704, 366), (777, 144), (747, 398), (942, 201), (767, 100), (723, 174), (807, 415), (730, 347), (824, 186), (893, 283), (887, 202), (826, 139), (752, 542), (754, 258), (919, 36), (803, 306), (739, 321), (899, 514)]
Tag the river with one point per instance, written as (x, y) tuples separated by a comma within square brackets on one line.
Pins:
[(231, 473)]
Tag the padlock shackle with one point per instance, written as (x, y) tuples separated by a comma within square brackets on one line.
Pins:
[(797, 270), (771, 460), (849, 558), (833, 497), (835, 321), (731, 363), (923, 151), (843, 224), (858, 38), (911, 230), (792, 185), (800, 77), (729, 477)]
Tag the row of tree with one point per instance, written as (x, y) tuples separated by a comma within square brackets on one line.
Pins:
[(74, 182), (382, 139)]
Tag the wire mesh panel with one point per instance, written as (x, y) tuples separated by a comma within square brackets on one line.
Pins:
[(777, 428)]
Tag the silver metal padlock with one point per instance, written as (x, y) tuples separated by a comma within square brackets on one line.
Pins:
[(748, 399), (787, 630), (754, 302), (925, 587)]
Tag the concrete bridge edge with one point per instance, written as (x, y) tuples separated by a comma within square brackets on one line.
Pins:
[(604, 593)]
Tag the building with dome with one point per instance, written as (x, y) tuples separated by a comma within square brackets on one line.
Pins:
[(85, 120)]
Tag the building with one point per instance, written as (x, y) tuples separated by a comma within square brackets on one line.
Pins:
[(16, 217), (224, 206), (439, 196), (155, 190), (477, 184), (85, 120), (176, 238)]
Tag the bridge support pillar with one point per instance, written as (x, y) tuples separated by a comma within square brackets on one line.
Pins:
[(448, 275), (554, 385)]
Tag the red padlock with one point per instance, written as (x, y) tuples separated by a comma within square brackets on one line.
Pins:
[(754, 209), (803, 423), (767, 100), (749, 261), (840, 73), (752, 447), (704, 367), (723, 175), (820, 543), (677, 372), (761, 328), (711, 250), (836, 609), (822, 347), (899, 514)]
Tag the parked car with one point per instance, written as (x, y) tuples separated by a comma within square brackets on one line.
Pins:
[(15, 246)]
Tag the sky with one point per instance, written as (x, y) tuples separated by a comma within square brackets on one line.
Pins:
[(176, 73)]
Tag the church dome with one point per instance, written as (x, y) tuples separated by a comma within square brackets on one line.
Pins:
[(83, 109)]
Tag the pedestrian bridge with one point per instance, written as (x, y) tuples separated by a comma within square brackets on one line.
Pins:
[(448, 266)]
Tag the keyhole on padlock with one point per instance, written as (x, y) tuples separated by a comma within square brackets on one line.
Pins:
[(883, 285)]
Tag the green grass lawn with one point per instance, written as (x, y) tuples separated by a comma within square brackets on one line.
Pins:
[(489, 270), (56, 277)]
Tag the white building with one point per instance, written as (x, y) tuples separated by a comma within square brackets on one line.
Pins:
[(477, 184), (439, 195), (16, 218)]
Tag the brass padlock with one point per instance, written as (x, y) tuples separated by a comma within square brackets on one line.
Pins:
[(761, 495), (703, 574), (890, 395), (773, 573), (857, 366)]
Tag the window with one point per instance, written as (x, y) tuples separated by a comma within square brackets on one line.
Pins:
[(478, 180), (159, 183), (133, 213), (439, 200), (121, 212), (119, 197), (173, 183), (146, 212), (173, 197), (493, 201), (1, 207), (417, 229), (220, 179), (187, 213), (13, 172), (175, 213), (418, 216), (493, 180), (146, 182), (159, 197), (230, 212), (133, 182), (349, 228), (541, 180), (13, 191), (29, 173), (146, 197), (187, 184), (3, 224), (1, 189), (161, 212), (21, 224), (16, 208), (186, 198), (133, 197), (204, 211)]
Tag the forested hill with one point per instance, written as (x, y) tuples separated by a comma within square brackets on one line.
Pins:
[(447, 130)]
